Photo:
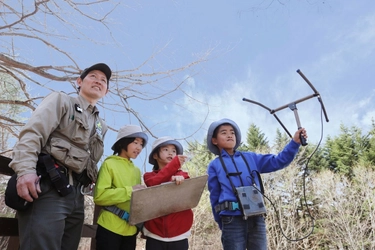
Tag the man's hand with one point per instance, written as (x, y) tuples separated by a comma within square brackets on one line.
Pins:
[(28, 187)]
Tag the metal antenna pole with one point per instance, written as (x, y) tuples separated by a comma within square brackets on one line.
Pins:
[(293, 107)]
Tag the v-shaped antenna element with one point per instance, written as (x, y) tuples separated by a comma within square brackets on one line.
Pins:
[(293, 107)]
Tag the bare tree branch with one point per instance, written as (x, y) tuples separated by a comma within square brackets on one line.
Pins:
[(10, 63), (52, 25), (22, 17)]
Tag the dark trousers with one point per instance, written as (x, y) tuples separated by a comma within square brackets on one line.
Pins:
[(240, 234), (106, 240), (52, 222), (152, 244)]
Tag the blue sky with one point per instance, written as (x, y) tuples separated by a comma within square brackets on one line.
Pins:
[(256, 48), (257, 52)]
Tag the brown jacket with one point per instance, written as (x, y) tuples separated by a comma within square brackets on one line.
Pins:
[(66, 127)]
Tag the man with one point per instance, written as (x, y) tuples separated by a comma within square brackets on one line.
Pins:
[(66, 133)]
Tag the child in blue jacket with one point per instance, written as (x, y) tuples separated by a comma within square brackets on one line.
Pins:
[(233, 169)]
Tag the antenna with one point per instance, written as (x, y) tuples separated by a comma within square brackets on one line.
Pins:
[(293, 107)]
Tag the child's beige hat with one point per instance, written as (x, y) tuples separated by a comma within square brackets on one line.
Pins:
[(130, 131), (163, 141)]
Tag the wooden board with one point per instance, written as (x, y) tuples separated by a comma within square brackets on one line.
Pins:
[(160, 200)]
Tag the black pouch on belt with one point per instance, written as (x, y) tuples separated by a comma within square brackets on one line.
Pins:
[(82, 178), (57, 174), (12, 199)]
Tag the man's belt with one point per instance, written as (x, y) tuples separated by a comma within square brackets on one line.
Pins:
[(227, 205)]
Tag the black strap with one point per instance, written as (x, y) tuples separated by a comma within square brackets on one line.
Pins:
[(231, 183), (227, 205), (49, 164), (239, 173), (226, 171), (118, 211), (59, 180), (251, 174)]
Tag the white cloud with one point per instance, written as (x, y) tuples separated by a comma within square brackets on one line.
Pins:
[(341, 48), (367, 101), (368, 118)]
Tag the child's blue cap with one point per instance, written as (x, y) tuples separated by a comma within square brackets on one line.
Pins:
[(213, 148)]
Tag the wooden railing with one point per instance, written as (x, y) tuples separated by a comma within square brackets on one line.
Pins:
[(9, 226)]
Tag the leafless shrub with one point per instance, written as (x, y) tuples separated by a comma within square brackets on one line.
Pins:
[(343, 212)]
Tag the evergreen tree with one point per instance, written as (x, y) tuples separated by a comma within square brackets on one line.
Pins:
[(316, 159), (345, 150), (281, 140), (256, 140), (369, 155), (199, 158)]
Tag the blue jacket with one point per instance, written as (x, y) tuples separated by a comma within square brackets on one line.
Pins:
[(219, 185)]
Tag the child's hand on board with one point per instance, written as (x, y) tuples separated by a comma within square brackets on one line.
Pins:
[(178, 179)]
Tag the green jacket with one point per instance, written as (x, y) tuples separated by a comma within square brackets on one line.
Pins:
[(116, 177)]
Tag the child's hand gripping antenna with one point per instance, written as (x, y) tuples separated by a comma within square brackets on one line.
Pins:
[(293, 107)]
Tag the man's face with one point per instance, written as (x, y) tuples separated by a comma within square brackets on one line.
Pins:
[(94, 86)]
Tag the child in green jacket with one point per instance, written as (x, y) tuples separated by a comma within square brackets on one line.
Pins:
[(118, 177)]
